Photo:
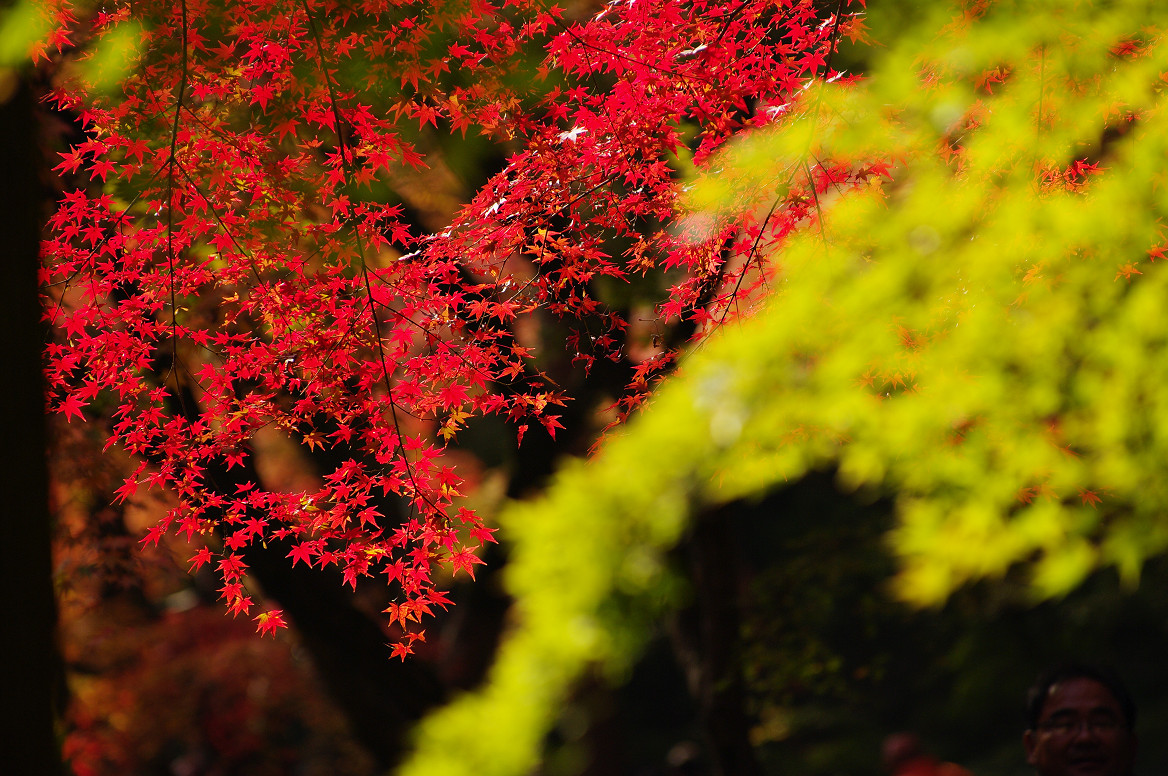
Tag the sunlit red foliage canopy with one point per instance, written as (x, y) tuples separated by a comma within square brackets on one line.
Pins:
[(227, 253)]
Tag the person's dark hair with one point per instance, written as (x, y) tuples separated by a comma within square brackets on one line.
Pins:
[(1038, 692)]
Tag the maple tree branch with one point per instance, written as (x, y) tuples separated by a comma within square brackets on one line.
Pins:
[(172, 162), (1041, 98), (833, 39), (804, 166), (346, 164), (815, 196), (752, 254), (620, 55), (687, 80)]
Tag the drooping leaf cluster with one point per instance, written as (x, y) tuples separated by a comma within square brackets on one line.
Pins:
[(232, 250)]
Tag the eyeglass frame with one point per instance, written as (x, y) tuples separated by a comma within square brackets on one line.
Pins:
[(1097, 724)]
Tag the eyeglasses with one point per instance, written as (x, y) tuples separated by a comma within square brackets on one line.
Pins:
[(1104, 725)]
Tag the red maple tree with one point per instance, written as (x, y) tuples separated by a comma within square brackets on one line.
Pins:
[(228, 253)]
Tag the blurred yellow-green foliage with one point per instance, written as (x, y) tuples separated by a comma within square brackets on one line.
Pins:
[(983, 335), (20, 26)]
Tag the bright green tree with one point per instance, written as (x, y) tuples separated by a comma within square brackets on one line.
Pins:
[(983, 337)]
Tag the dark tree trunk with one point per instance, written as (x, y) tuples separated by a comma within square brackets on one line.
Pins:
[(32, 674), (381, 698), (707, 642)]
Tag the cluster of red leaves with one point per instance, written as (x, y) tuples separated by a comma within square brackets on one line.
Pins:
[(227, 255)]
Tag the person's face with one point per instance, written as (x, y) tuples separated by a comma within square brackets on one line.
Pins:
[(1081, 732)]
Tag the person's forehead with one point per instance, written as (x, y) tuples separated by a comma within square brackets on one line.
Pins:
[(1079, 694)]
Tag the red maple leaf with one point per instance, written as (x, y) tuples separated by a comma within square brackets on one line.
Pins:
[(200, 558), (465, 560), (71, 405), (269, 622)]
